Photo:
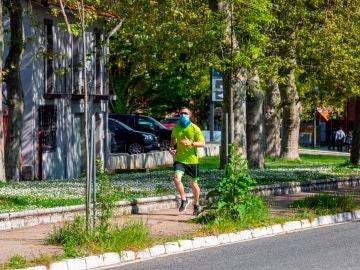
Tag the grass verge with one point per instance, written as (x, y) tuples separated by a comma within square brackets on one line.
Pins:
[(78, 241), (326, 203)]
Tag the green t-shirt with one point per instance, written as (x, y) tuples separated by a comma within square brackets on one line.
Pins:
[(187, 154)]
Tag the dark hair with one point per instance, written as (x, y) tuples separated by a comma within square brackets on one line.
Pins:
[(185, 108)]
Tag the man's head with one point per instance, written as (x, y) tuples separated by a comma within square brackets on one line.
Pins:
[(185, 110), (185, 114)]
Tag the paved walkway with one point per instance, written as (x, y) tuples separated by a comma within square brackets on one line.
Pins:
[(322, 151), (30, 242)]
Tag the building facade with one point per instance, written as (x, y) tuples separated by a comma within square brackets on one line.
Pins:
[(51, 73)]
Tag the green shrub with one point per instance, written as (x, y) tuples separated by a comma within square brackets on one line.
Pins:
[(17, 262), (230, 202), (71, 236), (133, 234), (77, 238), (106, 200), (325, 203)]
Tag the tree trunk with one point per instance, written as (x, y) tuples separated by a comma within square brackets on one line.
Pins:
[(2, 161), (234, 107), (272, 119), (240, 111), (234, 78), (291, 119), (355, 146), (15, 93), (255, 125)]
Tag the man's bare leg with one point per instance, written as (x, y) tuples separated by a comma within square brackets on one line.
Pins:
[(179, 185), (196, 191)]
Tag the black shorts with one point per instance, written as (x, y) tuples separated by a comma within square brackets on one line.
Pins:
[(191, 170)]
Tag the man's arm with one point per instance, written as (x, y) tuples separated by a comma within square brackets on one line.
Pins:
[(172, 142), (172, 146), (198, 144)]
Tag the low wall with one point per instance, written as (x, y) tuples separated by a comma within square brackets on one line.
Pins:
[(153, 159)]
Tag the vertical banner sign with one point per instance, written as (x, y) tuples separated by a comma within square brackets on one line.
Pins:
[(217, 86)]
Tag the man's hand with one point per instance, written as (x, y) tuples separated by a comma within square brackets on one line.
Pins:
[(186, 142), (172, 151)]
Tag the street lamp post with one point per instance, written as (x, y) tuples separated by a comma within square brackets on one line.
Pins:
[(314, 125), (316, 91)]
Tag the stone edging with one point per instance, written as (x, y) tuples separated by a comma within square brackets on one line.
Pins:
[(153, 159), (306, 186), (16, 220), (112, 258)]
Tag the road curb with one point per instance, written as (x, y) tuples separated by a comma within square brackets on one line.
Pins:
[(111, 259)]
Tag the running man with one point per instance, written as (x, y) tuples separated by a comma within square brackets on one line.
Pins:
[(187, 137)]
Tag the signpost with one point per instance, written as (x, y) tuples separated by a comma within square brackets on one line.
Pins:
[(217, 94)]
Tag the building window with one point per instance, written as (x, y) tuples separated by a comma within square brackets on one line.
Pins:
[(48, 59), (47, 127), (77, 66)]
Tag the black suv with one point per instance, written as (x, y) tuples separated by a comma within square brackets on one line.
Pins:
[(125, 139), (147, 124)]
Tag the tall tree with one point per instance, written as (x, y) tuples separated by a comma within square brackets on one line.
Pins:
[(290, 19), (15, 95), (272, 119), (355, 148), (78, 25), (2, 153), (255, 124), (329, 56), (243, 47)]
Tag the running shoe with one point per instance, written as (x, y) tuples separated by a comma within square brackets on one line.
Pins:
[(184, 205), (197, 210)]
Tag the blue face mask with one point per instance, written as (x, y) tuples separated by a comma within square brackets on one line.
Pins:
[(184, 120)]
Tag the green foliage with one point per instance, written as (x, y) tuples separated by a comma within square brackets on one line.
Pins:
[(231, 199), (71, 236), (133, 234), (105, 198), (17, 262), (17, 202), (250, 21), (325, 203), (174, 70), (306, 160), (105, 202), (77, 240), (325, 42)]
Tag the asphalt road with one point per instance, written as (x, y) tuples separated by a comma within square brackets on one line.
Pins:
[(329, 248)]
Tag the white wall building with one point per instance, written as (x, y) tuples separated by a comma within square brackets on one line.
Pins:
[(51, 73)]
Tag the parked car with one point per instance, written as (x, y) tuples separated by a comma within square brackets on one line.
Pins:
[(124, 139), (146, 124), (170, 122)]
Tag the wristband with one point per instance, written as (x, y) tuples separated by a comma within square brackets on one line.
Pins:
[(192, 144)]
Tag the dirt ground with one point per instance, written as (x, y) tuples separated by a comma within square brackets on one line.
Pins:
[(30, 242)]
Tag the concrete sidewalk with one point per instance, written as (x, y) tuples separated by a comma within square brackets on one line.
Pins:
[(322, 151), (30, 242)]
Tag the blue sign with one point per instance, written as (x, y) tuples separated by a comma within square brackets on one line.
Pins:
[(217, 85)]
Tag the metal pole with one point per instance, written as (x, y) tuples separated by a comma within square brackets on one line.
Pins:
[(314, 125), (86, 114), (93, 171), (227, 137), (212, 105), (211, 127)]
